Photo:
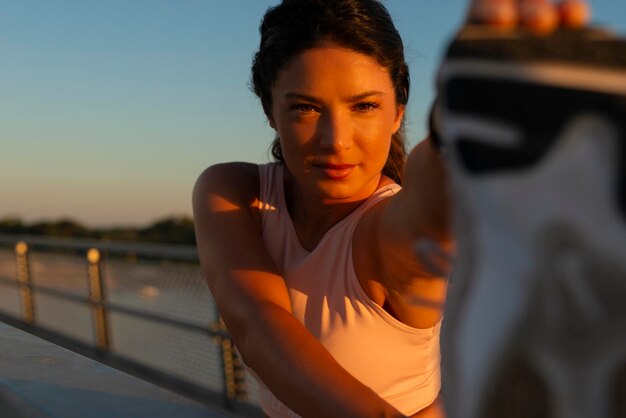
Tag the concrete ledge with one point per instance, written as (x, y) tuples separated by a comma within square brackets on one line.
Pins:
[(41, 380)]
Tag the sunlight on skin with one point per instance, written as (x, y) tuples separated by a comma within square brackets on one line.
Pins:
[(539, 16), (574, 13)]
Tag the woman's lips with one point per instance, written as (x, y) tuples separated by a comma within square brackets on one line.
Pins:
[(336, 171)]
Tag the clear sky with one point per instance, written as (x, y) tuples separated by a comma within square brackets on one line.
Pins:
[(109, 110)]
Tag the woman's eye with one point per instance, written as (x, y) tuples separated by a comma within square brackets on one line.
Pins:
[(366, 107), (304, 108)]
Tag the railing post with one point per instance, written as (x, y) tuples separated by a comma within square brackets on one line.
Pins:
[(97, 299), (23, 277), (233, 369)]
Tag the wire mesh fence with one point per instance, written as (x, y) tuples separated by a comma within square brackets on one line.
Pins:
[(9, 294), (154, 310), (65, 317), (9, 300), (174, 290), (194, 357), (60, 271)]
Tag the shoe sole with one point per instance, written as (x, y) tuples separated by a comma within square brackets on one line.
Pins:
[(536, 316)]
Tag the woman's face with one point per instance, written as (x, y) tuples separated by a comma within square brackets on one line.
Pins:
[(335, 111)]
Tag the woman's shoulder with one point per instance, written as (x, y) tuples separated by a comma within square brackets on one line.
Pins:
[(227, 170), (234, 180)]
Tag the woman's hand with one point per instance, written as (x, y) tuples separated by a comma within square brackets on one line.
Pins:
[(541, 16)]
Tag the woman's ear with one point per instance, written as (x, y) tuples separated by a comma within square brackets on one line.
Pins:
[(397, 123)]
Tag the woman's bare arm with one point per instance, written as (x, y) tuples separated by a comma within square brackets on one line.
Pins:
[(253, 300), (418, 217)]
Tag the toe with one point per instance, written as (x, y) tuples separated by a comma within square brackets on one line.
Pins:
[(540, 16), (495, 13), (574, 13)]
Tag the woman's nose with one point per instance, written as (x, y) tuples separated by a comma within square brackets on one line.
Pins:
[(335, 132)]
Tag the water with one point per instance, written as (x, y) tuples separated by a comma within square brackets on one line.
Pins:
[(169, 289)]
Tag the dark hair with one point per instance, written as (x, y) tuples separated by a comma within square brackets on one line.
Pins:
[(364, 26)]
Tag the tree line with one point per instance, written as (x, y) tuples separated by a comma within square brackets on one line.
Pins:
[(170, 230)]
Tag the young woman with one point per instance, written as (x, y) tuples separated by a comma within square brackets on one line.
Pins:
[(311, 259)]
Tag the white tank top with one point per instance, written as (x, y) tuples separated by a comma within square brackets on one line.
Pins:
[(398, 362)]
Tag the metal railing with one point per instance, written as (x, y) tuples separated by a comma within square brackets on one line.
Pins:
[(149, 310)]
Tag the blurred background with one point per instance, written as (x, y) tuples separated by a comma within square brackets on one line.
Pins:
[(110, 110)]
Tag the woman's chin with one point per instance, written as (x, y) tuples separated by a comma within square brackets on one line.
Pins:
[(342, 191)]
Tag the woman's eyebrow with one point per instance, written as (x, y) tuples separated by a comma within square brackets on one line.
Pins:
[(301, 96), (355, 98), (365, 95)]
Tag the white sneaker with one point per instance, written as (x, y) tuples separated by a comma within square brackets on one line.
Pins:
[(534, 129)]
